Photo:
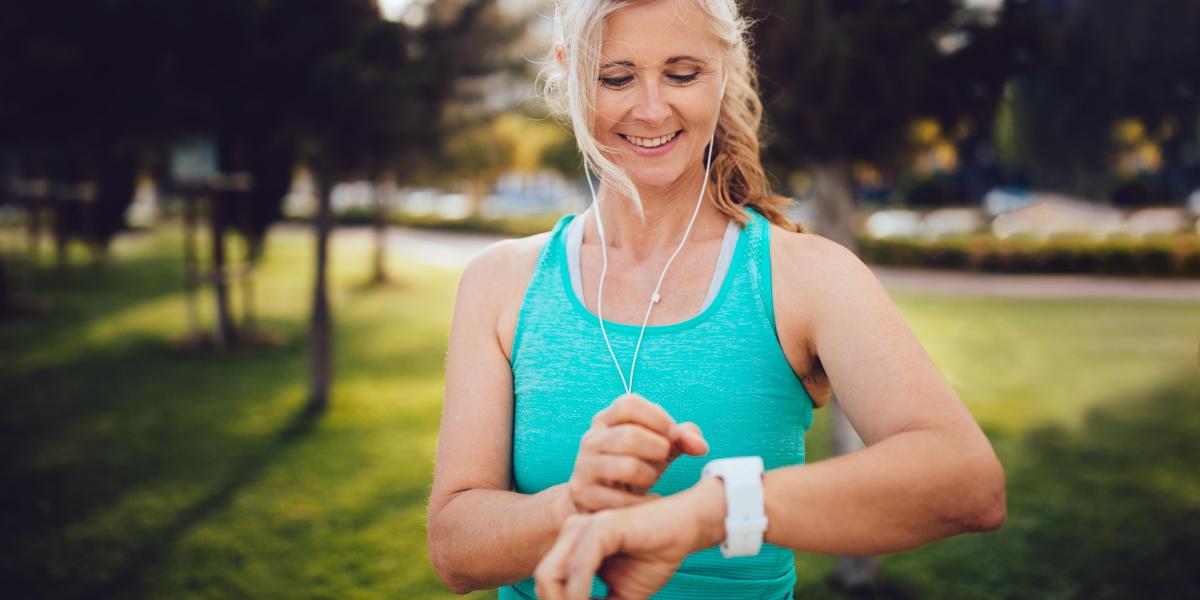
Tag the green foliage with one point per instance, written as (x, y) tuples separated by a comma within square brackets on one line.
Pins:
[(935, 191), (1156, 256), (95, 87), (511, 226), (1097, 62), (519, 226), (842, 80), (1011, 130)]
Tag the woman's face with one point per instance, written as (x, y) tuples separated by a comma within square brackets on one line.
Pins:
[(658, 95)]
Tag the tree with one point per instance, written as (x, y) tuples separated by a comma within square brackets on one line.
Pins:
[(509, 142), (72, 110), (363, 96), (1104, 62)]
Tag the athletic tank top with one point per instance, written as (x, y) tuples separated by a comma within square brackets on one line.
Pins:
[(722, 369)]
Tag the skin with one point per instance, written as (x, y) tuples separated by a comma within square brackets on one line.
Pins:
[(927, 472)]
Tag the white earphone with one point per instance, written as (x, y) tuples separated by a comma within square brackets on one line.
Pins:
[(655, 297)]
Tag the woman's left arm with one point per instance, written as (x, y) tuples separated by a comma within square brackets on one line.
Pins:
[(905, 491), (928, 471)]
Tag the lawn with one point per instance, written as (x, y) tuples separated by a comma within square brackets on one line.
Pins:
[(135, 467)]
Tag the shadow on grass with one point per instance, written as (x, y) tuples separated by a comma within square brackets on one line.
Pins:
[(1109, 511), (78, 291), (84, 444), (147, 557)]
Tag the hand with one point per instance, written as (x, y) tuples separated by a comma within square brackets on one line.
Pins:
[(629, 446), (634, 550)]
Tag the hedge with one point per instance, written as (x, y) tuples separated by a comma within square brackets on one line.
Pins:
[(1155, 256)]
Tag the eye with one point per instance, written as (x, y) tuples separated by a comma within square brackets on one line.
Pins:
[(688, 78), (616, 83)]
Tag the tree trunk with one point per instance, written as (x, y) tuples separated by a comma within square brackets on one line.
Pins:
[(854, 572), (5, 303), (836, 220), (249, 263), (34, 225), (61, 235), (226, 331), (835, 203), (477, 190), (191, 271), (247, 284), (320, 337), (379, 275)]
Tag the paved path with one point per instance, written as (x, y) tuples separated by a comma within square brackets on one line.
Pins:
[(454, 249)]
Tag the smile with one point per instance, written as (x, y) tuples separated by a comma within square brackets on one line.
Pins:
[(655, 142)]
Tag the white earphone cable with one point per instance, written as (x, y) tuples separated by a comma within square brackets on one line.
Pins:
[(655, 297)]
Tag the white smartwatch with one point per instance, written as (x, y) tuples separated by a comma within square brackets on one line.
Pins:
[(745, 518)]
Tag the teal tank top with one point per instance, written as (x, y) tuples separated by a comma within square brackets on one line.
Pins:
[(722, 369)]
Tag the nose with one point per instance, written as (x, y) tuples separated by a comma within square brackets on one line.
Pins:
[(651, 109)]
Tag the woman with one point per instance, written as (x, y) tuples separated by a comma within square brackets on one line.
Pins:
[(548, 487)]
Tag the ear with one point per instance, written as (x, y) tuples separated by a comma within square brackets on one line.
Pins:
[(560, 54)]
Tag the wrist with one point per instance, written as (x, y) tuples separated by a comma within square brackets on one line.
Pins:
[(564, 506), (707, 501)]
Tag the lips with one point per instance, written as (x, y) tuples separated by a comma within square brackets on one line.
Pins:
[(650, 142), (662, 147)]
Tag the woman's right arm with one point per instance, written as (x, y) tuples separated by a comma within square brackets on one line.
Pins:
[(480, 534)]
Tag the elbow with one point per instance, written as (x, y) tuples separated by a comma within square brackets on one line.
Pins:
[(445, 572), (442, 560), (987, 508), (458, 588)]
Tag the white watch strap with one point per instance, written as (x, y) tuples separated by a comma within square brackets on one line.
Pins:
[(745, 520)]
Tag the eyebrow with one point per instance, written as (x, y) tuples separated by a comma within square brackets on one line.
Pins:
[(669, 61)]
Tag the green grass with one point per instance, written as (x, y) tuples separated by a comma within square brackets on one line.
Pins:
[(133, 468)]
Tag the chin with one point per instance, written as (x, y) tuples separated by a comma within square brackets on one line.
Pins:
[(650, 179)]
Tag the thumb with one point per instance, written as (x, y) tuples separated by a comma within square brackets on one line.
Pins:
[(686, 437)]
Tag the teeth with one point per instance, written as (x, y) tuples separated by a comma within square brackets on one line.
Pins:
[(651, 142)]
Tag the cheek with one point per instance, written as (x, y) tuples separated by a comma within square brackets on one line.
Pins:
[(699, 113), (608, 113)]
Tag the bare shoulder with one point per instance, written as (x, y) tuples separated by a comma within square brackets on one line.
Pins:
[(825, 277), (498, 276), (502, 259), (807, 255), (501, 268)]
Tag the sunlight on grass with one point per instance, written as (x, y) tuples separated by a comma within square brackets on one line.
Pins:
[(1020, 363)]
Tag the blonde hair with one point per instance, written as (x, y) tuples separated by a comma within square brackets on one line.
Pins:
[(737, 176)]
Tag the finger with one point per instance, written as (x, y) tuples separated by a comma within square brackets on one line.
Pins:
[(686, 437), (616, 469), (585, 559), (599, 497), (636, 440), (550, 576), (632, 408)]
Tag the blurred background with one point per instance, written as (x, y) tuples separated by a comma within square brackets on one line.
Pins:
[(231, 232)]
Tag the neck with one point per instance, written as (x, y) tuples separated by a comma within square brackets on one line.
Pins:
[(667, 214)]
